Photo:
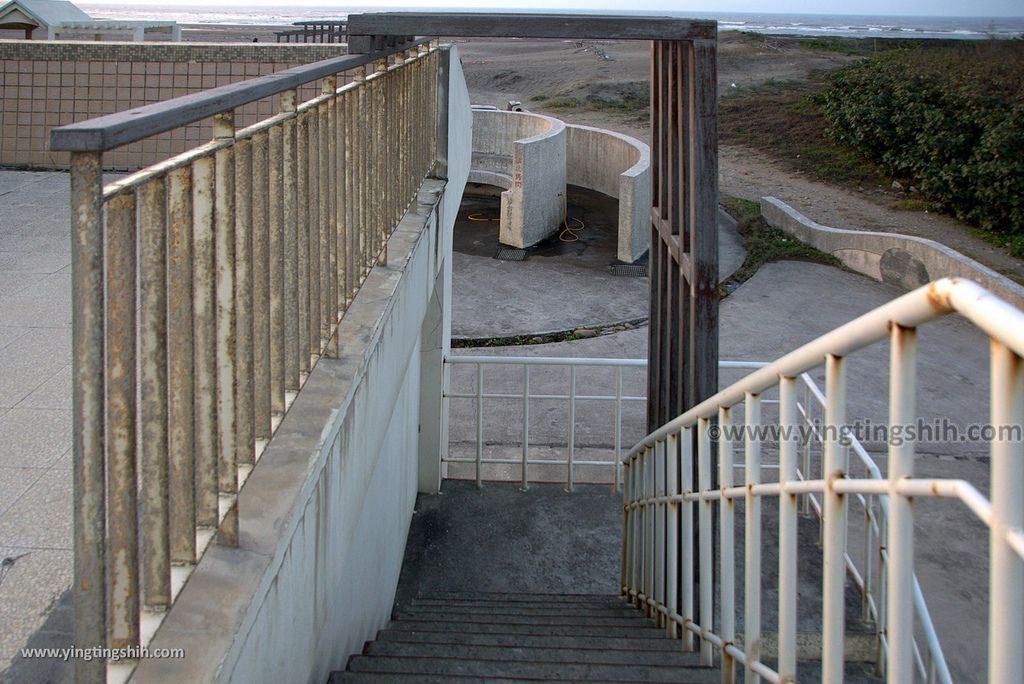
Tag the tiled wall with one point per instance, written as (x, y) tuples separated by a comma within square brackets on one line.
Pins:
[(48, 84)]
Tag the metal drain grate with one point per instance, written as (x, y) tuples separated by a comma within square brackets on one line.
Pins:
[(508, 254), (629, 270)]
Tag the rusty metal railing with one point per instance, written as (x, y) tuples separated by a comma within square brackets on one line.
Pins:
[(205, 288), (668, 570)]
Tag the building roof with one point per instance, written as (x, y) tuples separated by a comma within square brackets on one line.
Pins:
[(45, 12)]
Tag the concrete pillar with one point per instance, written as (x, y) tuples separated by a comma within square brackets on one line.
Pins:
[(176, 33), (138, 34)]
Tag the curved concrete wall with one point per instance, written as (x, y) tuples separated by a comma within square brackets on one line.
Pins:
[(524, 153), (532, 157), (619, 166), (902, 260)]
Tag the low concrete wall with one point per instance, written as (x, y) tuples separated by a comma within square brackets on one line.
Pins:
[(618, 166), (325, 514), (45, 84), (902, 260), (525, 153)]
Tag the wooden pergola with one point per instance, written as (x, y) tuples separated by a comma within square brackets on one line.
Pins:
[(683, 269)]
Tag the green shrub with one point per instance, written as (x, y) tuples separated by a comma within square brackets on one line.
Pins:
[(951, 119)]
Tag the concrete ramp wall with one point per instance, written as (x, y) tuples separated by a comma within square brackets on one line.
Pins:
[(618, 166), (524, 154), (532, 158)]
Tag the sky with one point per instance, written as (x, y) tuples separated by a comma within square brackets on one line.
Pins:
[(974, 8)]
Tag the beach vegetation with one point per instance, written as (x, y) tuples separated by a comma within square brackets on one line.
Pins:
[(951, 120)]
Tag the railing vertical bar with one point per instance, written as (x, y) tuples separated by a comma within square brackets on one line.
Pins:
[(727, 543), (788, 512), (572, 427), (672, 533), (313, 230), (659, 530), (224, 266), (834, 560), (205, 343), (122, 532), (686, 536), (262, 402), (752, 540), (806, 499), (88, 397), (323, 213), (706, 570), (351, 135), (244, 394), (649, 551), (181, 396), (1006, 568), (526, 424), (156, 572), (302, 239), (290, 229), (340, 237), (636, 520), (330, 243), (362, 145), (277, 165), (479, 421), (617, 453), (626, 558)]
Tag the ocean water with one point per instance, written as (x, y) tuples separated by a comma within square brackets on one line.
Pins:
[(775, 24)]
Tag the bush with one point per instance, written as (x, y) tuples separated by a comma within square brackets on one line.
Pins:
[(950, 119)]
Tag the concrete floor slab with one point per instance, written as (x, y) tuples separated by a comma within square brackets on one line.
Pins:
[(41, 518), (560, 286), (34, 438), (31, 587)]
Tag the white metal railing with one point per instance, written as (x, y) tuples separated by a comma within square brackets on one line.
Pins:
[(660, 494), (525, 395)]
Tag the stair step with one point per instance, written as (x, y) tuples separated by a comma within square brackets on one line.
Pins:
[(528, 670), (486, 608), (506, 598), (617, 656), (638, 631), (388, 677), (476, 638), (636, 619)]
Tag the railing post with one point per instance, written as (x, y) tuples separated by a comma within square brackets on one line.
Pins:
[(88, 454), (834, 504), (1006, 568), (572, 426), (479, 420), (244, 384), (672, 534), (658, 511), (617, 454), (788, 512), (290, 272), (121, 423), (224, 256), (900, 544), (263, 403), (526, 424), (727, 545), (686, 536), (180, 364), (706, 577), (153, 394), (752, 540)]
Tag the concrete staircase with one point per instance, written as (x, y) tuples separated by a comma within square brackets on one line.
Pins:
[(495, 637)]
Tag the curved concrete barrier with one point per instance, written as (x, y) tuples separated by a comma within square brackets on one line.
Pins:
[(524, 153), (902, 260), (618, 166)]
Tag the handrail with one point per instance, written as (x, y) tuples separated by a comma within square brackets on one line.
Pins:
[(206, 287), (984, 309), (121, 128), (670, 472)]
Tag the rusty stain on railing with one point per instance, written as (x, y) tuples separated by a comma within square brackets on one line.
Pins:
[(220, 274)]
